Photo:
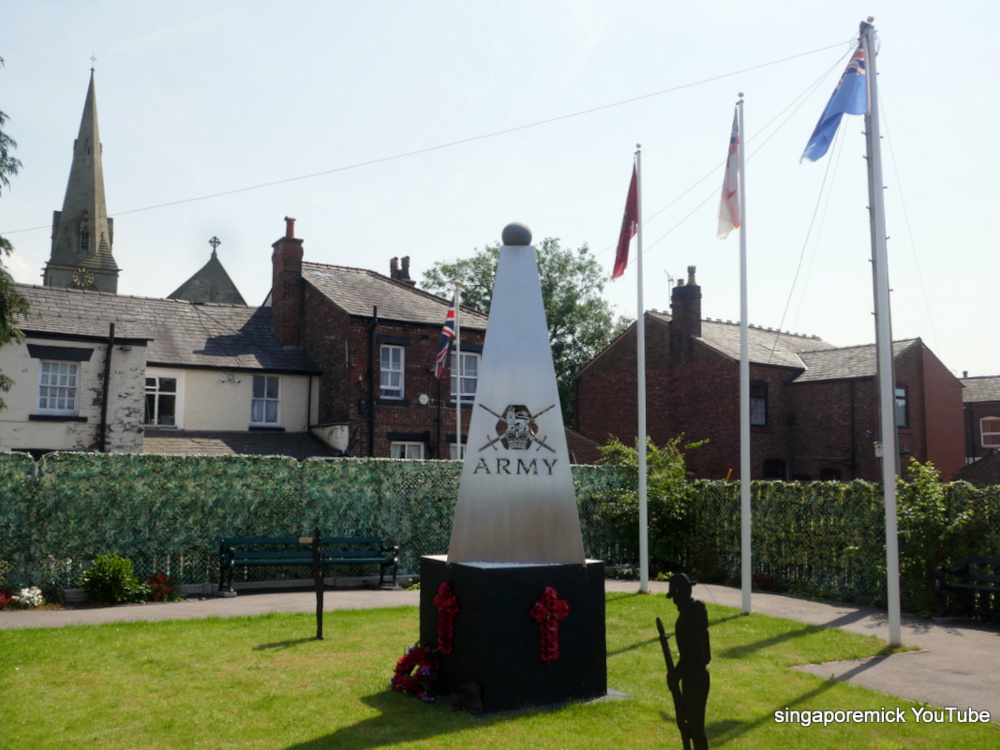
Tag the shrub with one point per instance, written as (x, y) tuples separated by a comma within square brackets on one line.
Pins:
[(670, 502), (112, 580), (162, 588), (928, 535), (29, 597)]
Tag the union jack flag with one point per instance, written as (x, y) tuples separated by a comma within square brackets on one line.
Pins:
[(447, 334)]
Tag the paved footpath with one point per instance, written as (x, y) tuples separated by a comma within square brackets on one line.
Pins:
[(958, 663)]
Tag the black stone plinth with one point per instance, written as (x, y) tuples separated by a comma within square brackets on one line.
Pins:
[(496, 643)]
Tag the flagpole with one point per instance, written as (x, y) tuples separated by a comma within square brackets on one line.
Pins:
[(744, 379), (640, 346), (883, 336), (458, 379)]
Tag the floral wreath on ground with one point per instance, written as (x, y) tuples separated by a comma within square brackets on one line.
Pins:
[(416, 672)]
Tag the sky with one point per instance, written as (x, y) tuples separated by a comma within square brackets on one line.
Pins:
[(422, 128)]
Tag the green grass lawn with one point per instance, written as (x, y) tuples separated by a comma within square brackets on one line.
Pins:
[(264, 682)]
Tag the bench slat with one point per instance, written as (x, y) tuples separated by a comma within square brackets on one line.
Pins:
[(980, 560), (298, 551), (972, 587), (981, 579)]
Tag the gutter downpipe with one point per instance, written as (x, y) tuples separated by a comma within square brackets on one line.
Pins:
[(105, 390)]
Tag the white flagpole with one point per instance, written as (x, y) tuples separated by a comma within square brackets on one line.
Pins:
[(458, 377), (883, 336), (744, 379), (640, 344)]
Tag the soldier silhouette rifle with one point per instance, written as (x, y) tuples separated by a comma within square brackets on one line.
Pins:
[(689, 678)]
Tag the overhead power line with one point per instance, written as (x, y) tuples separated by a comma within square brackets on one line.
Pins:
[(459, 142)]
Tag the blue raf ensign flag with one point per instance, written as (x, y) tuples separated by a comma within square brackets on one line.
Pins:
[(447, 334), (849, 98)]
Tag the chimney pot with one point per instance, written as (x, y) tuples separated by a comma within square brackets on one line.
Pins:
[(289, 226), (394, 268), (691, 270)]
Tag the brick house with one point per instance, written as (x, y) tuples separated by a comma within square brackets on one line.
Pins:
[(981, 397), (813, 405), (376, 339)]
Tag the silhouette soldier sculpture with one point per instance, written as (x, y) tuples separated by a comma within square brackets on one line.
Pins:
[(690, 676)]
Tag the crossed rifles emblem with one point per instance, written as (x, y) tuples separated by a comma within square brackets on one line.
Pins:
[(517, 429)]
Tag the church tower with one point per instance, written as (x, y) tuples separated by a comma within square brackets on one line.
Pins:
[(82, 233)]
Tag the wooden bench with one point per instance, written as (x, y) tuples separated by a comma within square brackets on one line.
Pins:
[(979, 575), (288, 551)]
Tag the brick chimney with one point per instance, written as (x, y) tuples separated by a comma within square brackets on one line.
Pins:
[(401, 274), (685, 308), (286, 286)]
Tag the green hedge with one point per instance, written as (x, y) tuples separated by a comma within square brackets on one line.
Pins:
[(166, 513)]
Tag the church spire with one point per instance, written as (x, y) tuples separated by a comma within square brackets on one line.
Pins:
[(82, 233)]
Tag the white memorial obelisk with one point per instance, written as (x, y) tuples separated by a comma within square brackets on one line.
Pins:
[(516, 502)]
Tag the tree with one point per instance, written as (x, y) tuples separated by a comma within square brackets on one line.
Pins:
[(581, 323), (12, 304), (669, 498)]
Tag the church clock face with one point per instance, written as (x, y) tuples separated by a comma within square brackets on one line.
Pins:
[(83, 278)]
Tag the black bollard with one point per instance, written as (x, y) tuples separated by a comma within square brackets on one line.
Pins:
[(318, 581)]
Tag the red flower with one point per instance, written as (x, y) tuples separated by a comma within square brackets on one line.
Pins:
[(548, 612), (447, 607), (415, 672)]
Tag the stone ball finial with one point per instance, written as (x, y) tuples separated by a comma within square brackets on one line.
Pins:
[(516, 233)]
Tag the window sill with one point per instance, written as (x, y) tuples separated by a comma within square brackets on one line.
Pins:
[(55, 418), (385, 401), (265, 428)]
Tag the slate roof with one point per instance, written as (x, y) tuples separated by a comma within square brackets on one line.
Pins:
[(765, 347), (981, 389), (300, 445), (211, 279), (180, 333), (357, 290), (846, 363)]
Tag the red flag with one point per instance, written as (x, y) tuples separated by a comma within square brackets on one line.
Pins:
[(630, 225), (729, 206)]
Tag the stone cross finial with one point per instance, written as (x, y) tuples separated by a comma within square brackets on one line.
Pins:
[(92, 61), (214, 242)]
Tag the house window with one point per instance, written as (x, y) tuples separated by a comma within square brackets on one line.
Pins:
[(391, 371), (58, 387), (758, 403), (161, 401), (453, 453), (989, 428), (902, 410), (774, 470), (468, 376), (264, 408), (406, 449)]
